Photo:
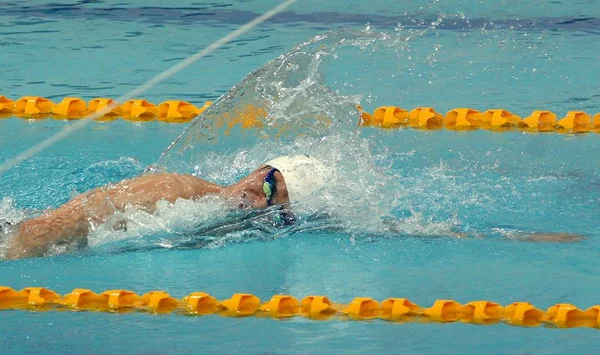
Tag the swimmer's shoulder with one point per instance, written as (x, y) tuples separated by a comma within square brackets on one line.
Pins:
[(169, 186), (188, 183)]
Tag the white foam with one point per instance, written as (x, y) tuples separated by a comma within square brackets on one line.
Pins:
[(172, 219), (11, 214)]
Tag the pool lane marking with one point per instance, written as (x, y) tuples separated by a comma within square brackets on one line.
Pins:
[(67, 131)]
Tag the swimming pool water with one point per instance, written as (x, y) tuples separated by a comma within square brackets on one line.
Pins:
[(488, 185)]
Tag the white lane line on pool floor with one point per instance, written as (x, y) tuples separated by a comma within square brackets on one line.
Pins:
[(67, 131)]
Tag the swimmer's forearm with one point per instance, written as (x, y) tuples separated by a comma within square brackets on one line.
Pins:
[(23, 247), (34, 237)]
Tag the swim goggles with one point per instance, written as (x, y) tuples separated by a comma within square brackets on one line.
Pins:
[(269, 187)]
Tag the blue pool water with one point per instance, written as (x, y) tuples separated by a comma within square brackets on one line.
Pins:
[(388, 225)]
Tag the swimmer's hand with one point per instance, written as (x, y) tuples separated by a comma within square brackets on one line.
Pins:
[(551, 237)]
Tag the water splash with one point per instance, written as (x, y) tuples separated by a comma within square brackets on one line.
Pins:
[(288, 107), (10, 216), (292, 105)]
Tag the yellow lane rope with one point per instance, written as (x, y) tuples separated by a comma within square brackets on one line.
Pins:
[(73, 108), (402, 310), (466, 119), (459, 119)]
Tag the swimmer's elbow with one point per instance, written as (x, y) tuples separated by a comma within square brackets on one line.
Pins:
[(15, 253), (29, 241), (22, 247)]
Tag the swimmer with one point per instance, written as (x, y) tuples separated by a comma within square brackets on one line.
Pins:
[(277, 183)]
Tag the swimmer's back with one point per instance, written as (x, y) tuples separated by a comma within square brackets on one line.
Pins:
[(144, 192)]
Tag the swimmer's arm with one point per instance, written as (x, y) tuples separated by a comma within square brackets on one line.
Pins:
[(551, 237), (69, 222), (538, 237), (34, 237)]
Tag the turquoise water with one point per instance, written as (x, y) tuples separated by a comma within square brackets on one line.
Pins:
[(386, 227)]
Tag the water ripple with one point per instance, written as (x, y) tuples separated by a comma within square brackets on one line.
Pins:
[(216, 13), (27, 32)]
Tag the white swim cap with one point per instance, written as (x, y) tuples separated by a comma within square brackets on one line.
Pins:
[(303, 175)]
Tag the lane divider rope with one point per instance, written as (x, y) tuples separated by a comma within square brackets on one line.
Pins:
[(389, 117), (401, 310), (467, 119), (73, 108)]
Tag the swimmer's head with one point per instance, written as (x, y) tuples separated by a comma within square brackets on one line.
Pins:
[(303, 175), (280, 181), (261, 188)]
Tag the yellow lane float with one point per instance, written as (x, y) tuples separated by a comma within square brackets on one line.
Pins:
[(73, 108), (388, 117), (561, 315)]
